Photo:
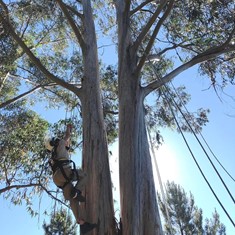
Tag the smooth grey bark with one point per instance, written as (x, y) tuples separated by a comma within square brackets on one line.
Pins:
[(99, 199), (139, 209)]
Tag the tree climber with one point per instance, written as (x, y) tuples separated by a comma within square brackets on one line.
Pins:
[(64, 175)]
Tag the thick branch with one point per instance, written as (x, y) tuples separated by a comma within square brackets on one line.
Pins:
[(74, 11), (154, 35), (4, 6), (207, 55), (37, 87), (52, 196), (147, 27), (140, 6), (25, 94), (18, 186), (74, 27), (17, 98), (32, 57)]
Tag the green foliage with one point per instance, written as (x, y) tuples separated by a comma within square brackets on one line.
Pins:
[(23, 132), (213, 225), (22, 155), (168, 100), (60, 224), (9, 88), (196, 26), (8, 50), (53, 42), (182, 216), (191, 28)]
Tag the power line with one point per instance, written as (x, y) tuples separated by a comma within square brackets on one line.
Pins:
[(216, 157)]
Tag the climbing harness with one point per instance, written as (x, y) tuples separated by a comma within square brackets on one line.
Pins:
[(60, 164)]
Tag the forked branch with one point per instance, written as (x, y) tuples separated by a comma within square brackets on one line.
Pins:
[(154, 35)]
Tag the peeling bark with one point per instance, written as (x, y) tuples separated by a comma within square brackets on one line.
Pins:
[(139, 209), (99, 199)]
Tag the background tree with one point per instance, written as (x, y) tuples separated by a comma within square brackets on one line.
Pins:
[(22, 156), (61, 223), (182, 216), (56, 48)]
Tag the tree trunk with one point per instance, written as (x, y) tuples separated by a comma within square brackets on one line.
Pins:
[(99, 199), (139, 211)]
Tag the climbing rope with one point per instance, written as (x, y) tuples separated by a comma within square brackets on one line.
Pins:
[(159, 178)]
